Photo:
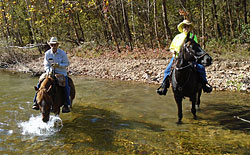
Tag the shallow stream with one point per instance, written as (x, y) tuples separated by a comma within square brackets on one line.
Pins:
[(117, 117)]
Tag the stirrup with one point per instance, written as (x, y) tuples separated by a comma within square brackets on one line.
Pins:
[(207, 88), (162, 91), (65, 109), (35, 106)]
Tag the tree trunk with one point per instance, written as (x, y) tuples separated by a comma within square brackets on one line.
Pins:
[(203, 25), (107, 11), (217, 26), (150, 27), (156, 26), (117, 19), (7, 33), (104, 25), (80, 28), (75, 29), (168, 34), (133, 23), (31, 24), (230, 18), (126, 25), (245, 10)]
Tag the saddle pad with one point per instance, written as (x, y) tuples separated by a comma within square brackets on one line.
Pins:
[(42, 77), (61, 79)]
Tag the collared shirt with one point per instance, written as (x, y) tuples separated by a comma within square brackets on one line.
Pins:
[(59, 57), (178, 41)]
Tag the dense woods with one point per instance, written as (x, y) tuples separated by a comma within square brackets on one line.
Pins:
[(121, 23)]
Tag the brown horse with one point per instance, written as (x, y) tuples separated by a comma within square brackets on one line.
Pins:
[(51, 96)]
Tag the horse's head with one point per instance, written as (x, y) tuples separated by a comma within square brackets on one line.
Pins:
[(44, 98), (193, 52)]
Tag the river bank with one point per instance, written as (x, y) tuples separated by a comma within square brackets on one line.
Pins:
[(222, 74)]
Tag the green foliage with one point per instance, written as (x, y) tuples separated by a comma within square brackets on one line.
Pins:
[(34, 21)]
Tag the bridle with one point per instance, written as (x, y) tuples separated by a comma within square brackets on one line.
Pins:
[(192, 54)]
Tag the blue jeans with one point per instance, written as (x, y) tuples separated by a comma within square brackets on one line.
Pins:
[(168, 69), (200, 68), (67, 90)]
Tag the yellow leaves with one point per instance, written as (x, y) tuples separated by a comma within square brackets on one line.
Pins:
[(28, 19), (106, 2), (91, 3), (32, 10)]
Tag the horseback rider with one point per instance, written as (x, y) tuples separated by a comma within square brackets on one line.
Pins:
[(184, 28), (56, 61)]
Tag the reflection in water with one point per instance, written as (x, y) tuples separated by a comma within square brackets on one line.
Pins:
[(113, 117)]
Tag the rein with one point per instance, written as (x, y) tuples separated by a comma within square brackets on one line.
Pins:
[(196, 57), (181, 68)]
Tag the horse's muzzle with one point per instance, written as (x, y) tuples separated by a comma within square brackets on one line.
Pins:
[(207, 60), (45, 119)]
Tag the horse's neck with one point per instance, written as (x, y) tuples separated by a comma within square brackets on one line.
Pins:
[(46, 83), (181, 62)]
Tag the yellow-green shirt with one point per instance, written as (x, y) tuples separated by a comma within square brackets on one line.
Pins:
[(178, 41)]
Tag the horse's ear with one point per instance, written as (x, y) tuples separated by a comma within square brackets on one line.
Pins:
[(188, 38), (192, 37), (36, 89)]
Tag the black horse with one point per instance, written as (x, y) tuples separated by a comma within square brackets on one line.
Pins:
[(185, 79)]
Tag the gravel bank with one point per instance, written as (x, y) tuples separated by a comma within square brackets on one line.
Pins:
[(222, 75)]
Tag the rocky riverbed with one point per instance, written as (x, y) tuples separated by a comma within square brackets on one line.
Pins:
[(222, 74)]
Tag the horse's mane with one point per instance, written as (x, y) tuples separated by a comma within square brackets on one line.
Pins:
[(46, 82)]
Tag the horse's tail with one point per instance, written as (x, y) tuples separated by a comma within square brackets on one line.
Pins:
[(72, 89)]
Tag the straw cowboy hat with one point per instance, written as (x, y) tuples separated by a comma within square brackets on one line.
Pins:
[(53, 40), (184, 22)]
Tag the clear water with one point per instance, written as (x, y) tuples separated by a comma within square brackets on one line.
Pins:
[(114, 117)]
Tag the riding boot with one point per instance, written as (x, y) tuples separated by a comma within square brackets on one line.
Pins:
[(162, 90), (207, 88), (35, 106), (66, 109)]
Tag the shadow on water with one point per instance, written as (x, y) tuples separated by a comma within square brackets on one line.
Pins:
[(101, 126), (233, 117)]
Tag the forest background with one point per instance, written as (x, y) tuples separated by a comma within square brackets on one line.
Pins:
[(96, 26)]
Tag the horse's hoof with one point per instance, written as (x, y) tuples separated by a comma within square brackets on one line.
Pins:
[(179, 122), (195, 117)]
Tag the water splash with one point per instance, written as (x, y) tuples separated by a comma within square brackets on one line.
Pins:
[(36, 127)]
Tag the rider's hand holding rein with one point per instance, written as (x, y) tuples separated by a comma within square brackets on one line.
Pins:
[(55, 65)]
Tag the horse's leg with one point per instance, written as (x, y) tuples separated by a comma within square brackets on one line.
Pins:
[(179, 105), (72, 91), (193, 110), (199, 98)]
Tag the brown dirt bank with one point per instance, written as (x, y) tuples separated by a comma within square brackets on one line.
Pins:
[(222, 74)]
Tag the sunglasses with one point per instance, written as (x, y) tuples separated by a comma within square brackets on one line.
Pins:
[(186, 26), (53, 45)]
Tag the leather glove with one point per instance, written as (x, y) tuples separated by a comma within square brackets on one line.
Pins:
[(55, 65)]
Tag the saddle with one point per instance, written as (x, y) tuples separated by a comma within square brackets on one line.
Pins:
[(61, 80), (59, 77)]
